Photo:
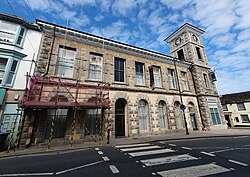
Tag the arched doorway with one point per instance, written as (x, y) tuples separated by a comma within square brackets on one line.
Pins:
[(178, 116), (143, 116), (120, 105), (192, 115), (162, 114)]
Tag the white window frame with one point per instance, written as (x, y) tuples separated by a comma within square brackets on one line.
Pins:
[(184, 81), (157, 76), (15, 35), (65, 66), (241, 106), (171, 79), (7, 71), (98, 66), (140, 81)]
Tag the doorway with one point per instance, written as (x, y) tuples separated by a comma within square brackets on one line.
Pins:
[(227, 117), (120, 117), (193, 121)]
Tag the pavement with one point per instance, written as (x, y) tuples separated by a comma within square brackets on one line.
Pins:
[(36, 149)]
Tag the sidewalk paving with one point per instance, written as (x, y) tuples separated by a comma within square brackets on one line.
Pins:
[(232, 132)]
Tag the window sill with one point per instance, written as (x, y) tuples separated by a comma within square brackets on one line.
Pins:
[(120, 83), (159, 88), (93, 80), (141, 86), (241, 109)]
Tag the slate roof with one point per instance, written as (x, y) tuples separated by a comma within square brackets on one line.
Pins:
[(235, 97)]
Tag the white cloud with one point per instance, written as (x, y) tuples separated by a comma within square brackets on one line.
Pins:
[(121, 7), (176, 4), (79, 2), (244, 35), (99, 17)]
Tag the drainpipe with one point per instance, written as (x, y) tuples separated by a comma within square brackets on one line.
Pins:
[(190, 68), (54, 34), (180, 93)]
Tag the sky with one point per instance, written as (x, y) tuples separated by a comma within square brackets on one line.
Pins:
[(146, 23)]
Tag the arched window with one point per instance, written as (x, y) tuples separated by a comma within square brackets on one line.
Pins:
[(178, 116), (162, 114), (143, 116)]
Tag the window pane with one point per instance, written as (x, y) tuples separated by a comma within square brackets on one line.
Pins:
[(241, 106), (95, 66), (245, 118), (139, 73), (119, 69), (65, 62), (3, 63), (13, 67), (10, 78)]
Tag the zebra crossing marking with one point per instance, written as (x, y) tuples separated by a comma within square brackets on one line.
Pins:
[(172, 145), (152, 152), (140, 148), (169, 159), (195, 171), (132, 145)]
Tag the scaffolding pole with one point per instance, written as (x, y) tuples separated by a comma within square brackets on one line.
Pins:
[(19, 131), (73, 128), (52, 131)]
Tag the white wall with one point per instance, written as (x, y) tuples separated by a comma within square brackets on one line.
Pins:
[(32, 38)]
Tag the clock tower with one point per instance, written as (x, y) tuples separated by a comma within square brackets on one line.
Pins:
[(186, 45)]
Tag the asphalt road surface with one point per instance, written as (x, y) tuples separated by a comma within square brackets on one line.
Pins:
[(220, 157)]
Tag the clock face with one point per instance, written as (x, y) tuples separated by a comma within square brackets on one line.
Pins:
[(178, 41), (195, 38)]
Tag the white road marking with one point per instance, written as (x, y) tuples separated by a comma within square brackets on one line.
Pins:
[(77, 150), (132, 145), (194, 171), (105, 158), (97, 149), (76, 168), (241, 137), (162, 142), (223, 150), (42, 154), (172, 145), (100, 152), (247, 145), (239, 163), (166, 160), (158, 151), (206, 153), (153, 173), (113, 169), (28, 174), (187, 148), (140, 148)]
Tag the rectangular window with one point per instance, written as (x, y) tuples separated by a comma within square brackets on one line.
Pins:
[(20, 36), (180, 54), (65, 62), (206, 80), (119, 70), (171, 79), (241, 106), (198, 51), (7, 32), (224, 106), (157, 76), (3, 63), (245, 118), (12, 72), (184, 81), (215, 116), (95, 66), (139, 69)]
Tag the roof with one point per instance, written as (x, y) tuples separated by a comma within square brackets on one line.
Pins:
[(184, 28), (18, 20), (102, 38), (235, 98)]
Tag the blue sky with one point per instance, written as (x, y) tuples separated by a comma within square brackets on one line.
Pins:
[(146, 23)]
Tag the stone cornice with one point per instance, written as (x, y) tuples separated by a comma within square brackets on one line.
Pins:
[(104, 43)]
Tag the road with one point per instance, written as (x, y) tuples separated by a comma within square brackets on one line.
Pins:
[(220, 157)]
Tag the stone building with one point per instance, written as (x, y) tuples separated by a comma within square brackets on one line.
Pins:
[(148, 92)]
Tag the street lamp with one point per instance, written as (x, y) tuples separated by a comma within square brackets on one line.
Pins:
[(182, 106)]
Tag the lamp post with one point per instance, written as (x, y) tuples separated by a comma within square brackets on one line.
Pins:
[(182, 105)]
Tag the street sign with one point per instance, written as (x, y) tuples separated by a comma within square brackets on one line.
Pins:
[(183, 107)]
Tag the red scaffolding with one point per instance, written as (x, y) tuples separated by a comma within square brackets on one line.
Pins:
[(55, 92)]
